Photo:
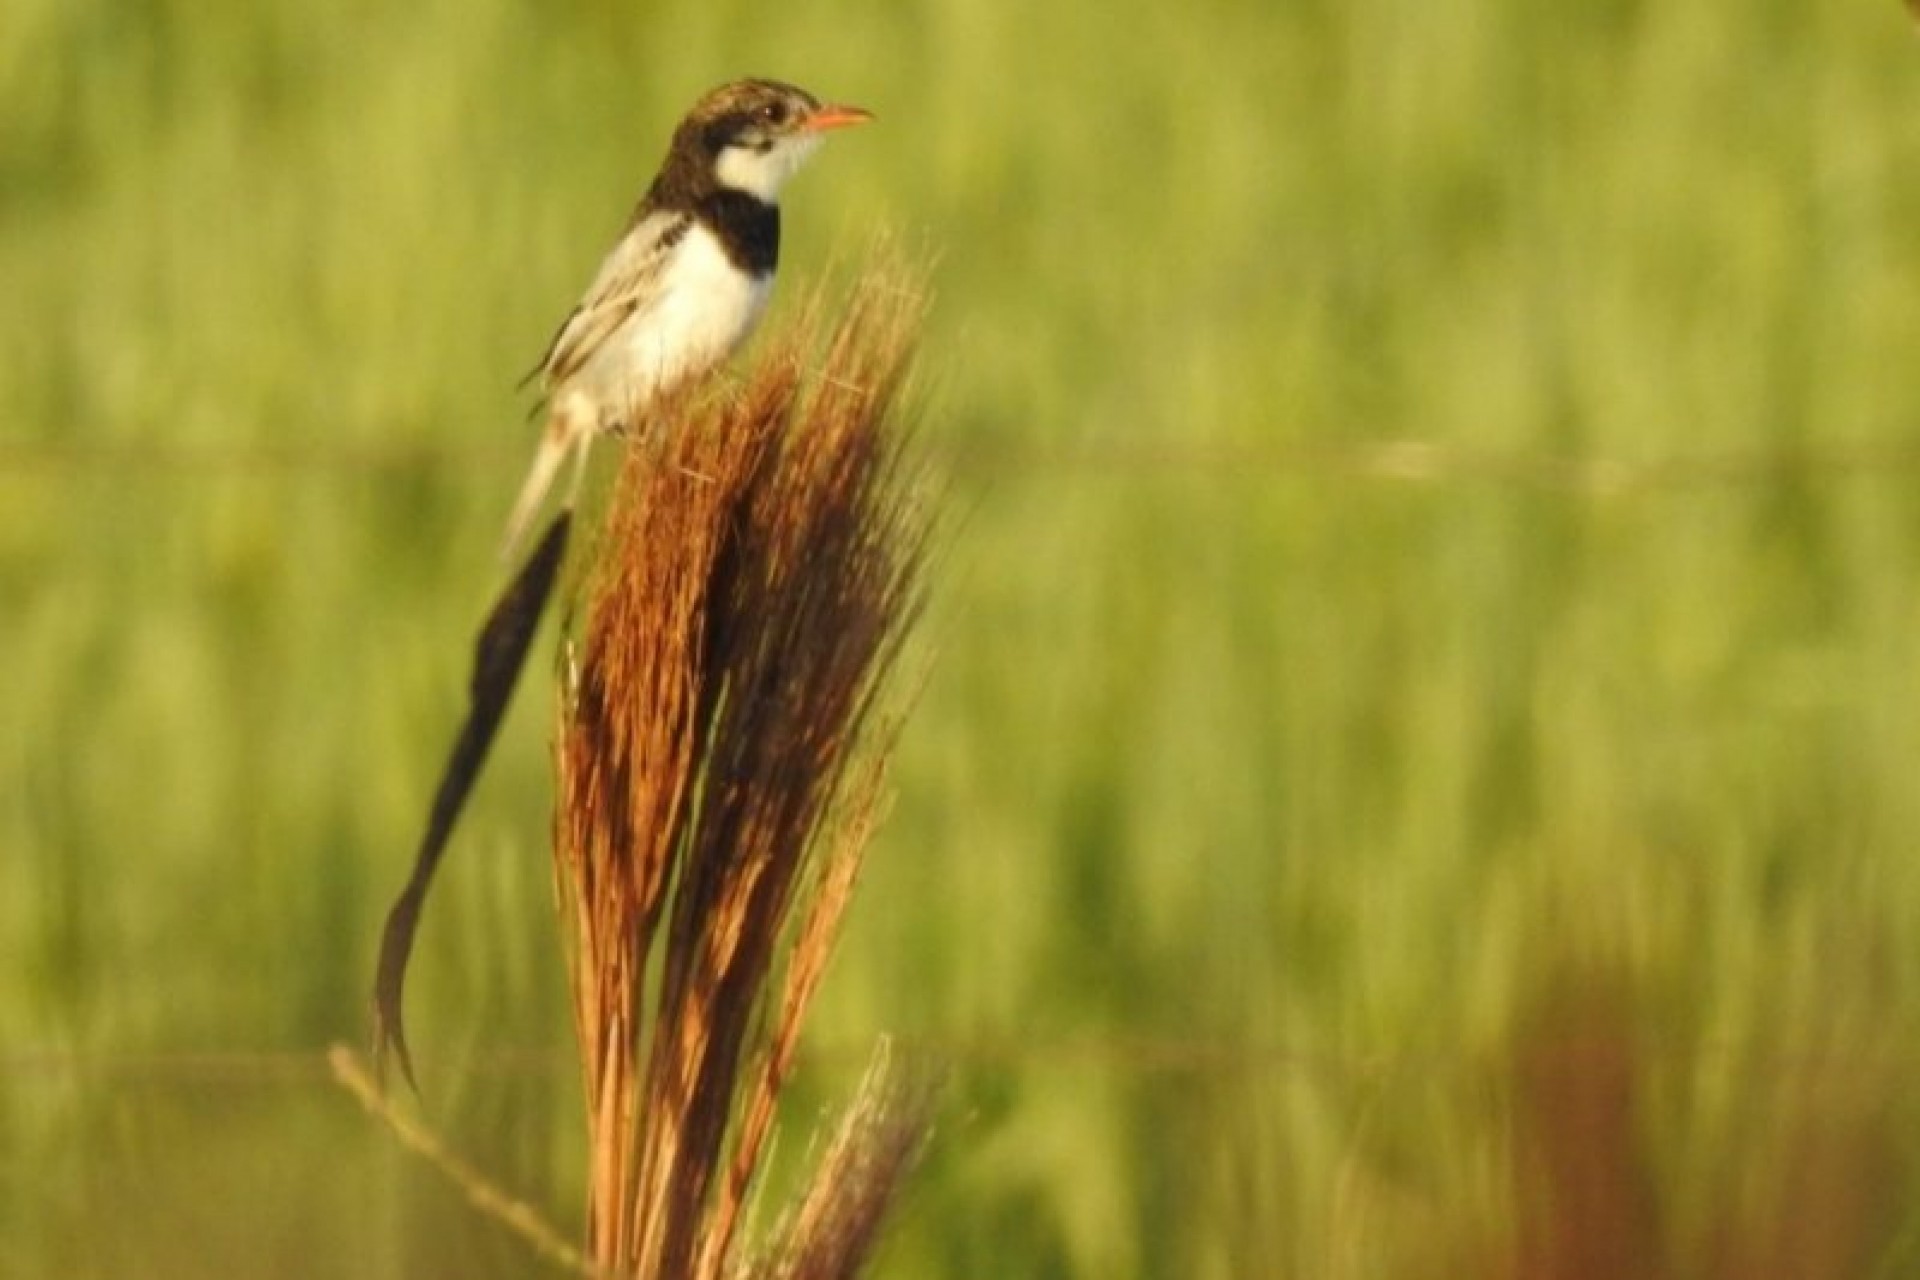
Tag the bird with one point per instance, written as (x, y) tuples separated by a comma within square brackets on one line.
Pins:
[(687, 281)]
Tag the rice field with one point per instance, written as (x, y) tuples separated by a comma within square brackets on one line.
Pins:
[(1414, 767)]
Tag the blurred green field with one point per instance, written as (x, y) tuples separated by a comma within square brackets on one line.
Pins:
[(1435, 512)]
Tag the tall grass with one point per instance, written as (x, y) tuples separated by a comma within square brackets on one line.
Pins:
[(718, 784), (1291, 712)]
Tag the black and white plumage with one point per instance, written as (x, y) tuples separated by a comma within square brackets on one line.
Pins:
[(687, 282)]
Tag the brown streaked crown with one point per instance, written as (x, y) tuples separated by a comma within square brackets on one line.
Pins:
[(746, 113)]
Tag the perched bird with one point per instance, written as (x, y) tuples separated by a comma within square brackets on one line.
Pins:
[(686, 283)]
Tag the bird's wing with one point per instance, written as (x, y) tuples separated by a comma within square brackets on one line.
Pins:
[(628, 282)]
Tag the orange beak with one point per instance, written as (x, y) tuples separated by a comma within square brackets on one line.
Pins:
[(831, 116)]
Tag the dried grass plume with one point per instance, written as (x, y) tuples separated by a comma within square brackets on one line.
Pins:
[(720, 761)]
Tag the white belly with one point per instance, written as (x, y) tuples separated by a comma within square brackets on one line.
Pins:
[(705, 309)]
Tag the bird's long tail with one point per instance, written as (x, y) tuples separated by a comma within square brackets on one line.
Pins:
[(566, 433)]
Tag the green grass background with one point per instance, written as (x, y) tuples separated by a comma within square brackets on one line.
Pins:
[(1435, 504)]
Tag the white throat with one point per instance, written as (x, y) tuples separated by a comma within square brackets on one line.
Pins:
[(763, 173)]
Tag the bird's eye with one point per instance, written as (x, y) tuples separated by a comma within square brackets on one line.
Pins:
[(774, 113)]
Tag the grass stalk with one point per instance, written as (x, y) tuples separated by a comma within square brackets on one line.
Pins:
[(720, 762)]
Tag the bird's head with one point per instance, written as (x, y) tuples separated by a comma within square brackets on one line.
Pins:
[(753, 134)]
